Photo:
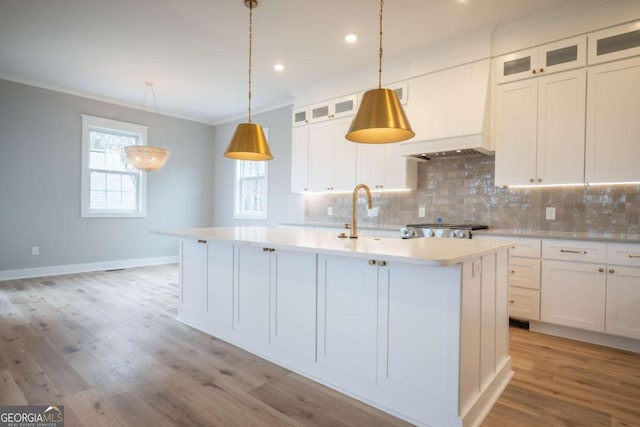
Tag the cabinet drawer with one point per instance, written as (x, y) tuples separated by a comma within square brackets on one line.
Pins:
[(526, 247), (574, 250), (623, 254), (524, 272), (524, 303)]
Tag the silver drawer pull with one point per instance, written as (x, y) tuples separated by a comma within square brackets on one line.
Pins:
[(202, 241), (566, 251), (634, 256)]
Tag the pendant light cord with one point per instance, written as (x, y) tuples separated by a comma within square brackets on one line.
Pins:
[(250, 50), (380, 52)]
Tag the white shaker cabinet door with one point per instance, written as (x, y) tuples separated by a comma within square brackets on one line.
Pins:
[(220, 284), (321, 155), (293, 302), (300, 159), (573, 294), (371, 165), (516, 127), (623, 301), (193, 280), (344, 161), (251, 292), (348, 315), (613, 127), (561, 122)]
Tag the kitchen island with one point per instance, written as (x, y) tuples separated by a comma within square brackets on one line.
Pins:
[(417, 328)]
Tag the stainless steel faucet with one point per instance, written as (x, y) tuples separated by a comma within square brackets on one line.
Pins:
[(354, 219)]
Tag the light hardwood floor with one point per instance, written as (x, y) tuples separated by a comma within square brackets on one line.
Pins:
[(107, 346)]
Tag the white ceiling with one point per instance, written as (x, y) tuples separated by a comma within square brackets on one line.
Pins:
[(196, 50)]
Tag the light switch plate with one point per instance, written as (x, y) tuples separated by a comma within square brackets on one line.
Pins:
[(35, 250), (551, 213), (421, 212), (330, 210), (372, 212)]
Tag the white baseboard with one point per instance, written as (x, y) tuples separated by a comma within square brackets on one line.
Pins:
[(55, 270), (614, 341)]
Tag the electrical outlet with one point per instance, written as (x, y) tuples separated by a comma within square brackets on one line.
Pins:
[(551, 213), (330, 210), (372, 212), (421, 212), (35, 250)]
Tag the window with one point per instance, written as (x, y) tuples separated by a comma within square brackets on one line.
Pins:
[(111, 186), (252, 188)]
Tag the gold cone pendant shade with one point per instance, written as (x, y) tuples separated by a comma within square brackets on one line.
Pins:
[(380, 119), (248, 141)]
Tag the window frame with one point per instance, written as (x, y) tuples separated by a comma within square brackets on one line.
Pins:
[(99, 123), (263, 216)]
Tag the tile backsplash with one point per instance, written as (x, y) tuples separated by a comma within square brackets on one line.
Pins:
[(462, 190)]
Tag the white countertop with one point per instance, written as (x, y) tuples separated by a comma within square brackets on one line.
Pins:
[(417, 251), (565, 235)]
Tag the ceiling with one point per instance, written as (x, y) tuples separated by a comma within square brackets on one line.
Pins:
[(196, 50)]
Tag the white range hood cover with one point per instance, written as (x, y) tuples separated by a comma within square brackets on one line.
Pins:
[(450, 110)]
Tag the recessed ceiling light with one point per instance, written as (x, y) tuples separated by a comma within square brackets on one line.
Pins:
[(278, 67), (351, 38)]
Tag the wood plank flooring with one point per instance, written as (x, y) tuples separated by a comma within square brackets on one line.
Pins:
[(107, 346)]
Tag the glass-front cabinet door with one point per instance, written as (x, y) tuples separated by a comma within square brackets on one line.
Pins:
[(614, 43), (300, 116), (550, 58)]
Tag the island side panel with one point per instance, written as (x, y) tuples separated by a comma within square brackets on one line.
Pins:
[(220, 287), (193, 283)]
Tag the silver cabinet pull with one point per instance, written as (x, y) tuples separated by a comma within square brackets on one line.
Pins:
[(601, 270), (566, 251), (202, 241), (372, 262), (382, 263), (611, 270), (634, 256)]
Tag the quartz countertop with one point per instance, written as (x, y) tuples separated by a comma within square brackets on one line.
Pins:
[(565, 235), (417, 251), (312, 224)]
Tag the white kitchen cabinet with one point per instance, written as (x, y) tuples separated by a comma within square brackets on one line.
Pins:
[(220, 285), (206, 285), (251, 285), (300, 116), (332, 158), (524, 303), (293, 302), (275, 298), (193, 279), (345, 106), (381, 166), (550, 58), (623, 301), (613, 128), (573, 294), (540, 130), (348, 315), (300, 159), (614, 43)]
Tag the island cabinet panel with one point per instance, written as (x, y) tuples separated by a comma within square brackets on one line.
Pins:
[(418, 338), (348, 315), (293, 302), (220, 285), (193, 281), (251, 292), (623, 301)]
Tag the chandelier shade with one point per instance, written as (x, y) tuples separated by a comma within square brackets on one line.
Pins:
[(147, 158)]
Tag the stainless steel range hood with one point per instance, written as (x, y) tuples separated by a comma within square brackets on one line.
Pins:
[(450, 112)]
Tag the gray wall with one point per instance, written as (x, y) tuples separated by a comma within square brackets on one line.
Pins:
[(40, 146), (284, 206)]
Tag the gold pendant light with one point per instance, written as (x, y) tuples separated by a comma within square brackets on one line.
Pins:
[(380, 118), (248, 141), (145, 157)]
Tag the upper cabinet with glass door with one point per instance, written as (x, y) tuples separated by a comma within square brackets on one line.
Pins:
[(614, 43), (344, 106), (550, 58)]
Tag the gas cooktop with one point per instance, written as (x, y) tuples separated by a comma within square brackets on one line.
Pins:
[(456, 231)]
